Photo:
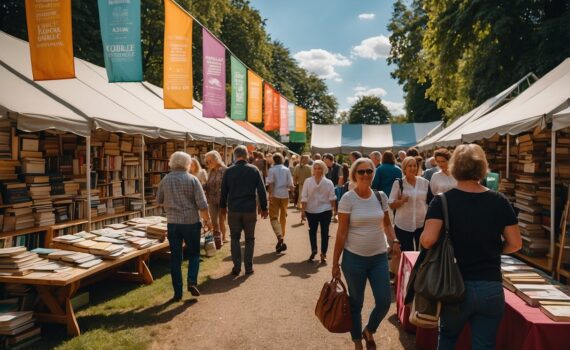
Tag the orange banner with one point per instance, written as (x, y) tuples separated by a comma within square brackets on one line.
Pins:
[(276, 104), (268, 113), (177, 57), (254, 97), (51, 43), (300, 119)]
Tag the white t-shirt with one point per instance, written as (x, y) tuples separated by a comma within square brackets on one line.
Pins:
[(279, 177), (412, 214), (441, 183), (318, 197), (366, 235)]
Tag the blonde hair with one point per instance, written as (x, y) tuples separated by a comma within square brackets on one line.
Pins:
[(195, 162), (407, 162), (215, 155), (357, 163), (321, 164), (179, 161), (468, 162)]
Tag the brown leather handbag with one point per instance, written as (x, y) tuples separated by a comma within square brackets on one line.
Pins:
[(333, 307)]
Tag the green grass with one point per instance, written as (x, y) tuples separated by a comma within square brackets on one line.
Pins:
[(123, 316)]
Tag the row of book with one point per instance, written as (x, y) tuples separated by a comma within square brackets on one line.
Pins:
[(536, 289)]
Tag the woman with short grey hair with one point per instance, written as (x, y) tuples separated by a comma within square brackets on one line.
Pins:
[(182, 197)]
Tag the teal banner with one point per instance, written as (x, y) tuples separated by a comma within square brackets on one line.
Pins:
[(239, 89), (121, 34)]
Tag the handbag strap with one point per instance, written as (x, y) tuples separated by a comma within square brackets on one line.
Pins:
[(339, 281), (444, 208)]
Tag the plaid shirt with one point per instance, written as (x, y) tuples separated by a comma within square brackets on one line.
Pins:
[(182, 196)]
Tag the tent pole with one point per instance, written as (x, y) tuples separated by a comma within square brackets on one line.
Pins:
[(186, 143), (142, 178), (508, 156), (88, 179), (552, 193)]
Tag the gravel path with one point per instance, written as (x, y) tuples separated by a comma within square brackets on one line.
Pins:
[(274, 307)]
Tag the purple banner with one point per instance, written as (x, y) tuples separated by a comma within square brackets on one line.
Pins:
[(214, 63)]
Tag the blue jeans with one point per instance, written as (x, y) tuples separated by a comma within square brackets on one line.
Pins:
[(190, 233), (357, 270), (483, 308)]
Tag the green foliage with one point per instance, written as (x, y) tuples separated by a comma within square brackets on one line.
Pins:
[(458, 53), (369, 110)]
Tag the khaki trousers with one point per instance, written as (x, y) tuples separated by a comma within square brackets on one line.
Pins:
[(278, 215)]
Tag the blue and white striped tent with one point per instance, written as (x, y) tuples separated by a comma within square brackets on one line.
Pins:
[(367, 138)]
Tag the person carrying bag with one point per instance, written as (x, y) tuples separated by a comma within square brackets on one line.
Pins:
[(333, 307)]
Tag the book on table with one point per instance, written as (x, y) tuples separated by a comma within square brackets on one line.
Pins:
[(532, 294), (557, 311)]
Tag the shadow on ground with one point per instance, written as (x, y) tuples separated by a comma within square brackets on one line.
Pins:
[(303, 269)]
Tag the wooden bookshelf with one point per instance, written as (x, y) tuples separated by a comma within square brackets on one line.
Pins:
[(25, 231), (113, 216)]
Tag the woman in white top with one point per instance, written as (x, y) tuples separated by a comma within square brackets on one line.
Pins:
[(317, 202), (442, 181), (410, 205), (363, 225), (196, 170)]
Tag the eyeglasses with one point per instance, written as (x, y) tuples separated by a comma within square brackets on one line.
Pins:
[(361, 172)]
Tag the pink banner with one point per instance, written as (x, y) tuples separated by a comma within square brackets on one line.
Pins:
[(283, 116), (214, 65)]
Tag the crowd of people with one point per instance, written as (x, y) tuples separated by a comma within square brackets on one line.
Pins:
[(384, 203)]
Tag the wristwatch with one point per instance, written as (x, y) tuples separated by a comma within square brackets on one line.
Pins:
[(396, 241)]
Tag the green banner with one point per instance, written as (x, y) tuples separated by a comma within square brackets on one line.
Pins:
[(297, 137), (239, 90)]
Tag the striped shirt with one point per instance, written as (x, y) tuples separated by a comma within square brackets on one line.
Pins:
[(182, 196)]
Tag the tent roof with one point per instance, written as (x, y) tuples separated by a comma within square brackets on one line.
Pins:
[(52, 115), (549, 95), (367, 138), (270, 141), (449, 135)]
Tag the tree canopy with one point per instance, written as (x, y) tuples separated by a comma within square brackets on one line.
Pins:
[(458, 53), (369, 110), (238, 25)]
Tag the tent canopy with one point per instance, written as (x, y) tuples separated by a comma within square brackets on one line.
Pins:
[(533, 107), (367, 138), (450, 136), (561, 120)]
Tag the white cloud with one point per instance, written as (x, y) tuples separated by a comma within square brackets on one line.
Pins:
[(373, 48), (360, 91), (322, 62), (396, 108), (366, 16), (338, 80)]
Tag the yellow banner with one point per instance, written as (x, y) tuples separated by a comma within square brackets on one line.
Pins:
[(254, 97), (300, 119), (177, 57), (51, 43)]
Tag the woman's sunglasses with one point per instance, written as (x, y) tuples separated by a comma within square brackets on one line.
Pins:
[(364, 171)]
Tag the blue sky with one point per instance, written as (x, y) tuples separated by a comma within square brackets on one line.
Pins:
[(344, 42)]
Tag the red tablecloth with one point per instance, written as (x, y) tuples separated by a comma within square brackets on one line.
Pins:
[(523, 327)]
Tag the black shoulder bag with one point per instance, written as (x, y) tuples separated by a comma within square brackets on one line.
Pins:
[(438, 277)]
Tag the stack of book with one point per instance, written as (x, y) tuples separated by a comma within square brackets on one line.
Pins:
[(5, 139), (30, 144), (507, 188), (511, 279), (16, 193), (31, 165), (532, 181), (19, 329), (157, 231), (40, 191), (18, 219), (71, 188), (8, 169), (17, 261)]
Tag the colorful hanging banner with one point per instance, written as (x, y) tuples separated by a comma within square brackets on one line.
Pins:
[(291, 112), (283, 116), (121, 34), (177, 74), (297, 137), (239, 89), (300, 119), (268, 94), (254, 97), (214, 73), (276, 110), (50, 38)]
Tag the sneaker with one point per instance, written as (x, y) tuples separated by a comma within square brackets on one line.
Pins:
[(235, 272), (249, 272), (279, 245), (193, 290), (175, 299), (282, 248)]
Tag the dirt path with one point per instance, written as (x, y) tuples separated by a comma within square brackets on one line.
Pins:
[(271, 309)]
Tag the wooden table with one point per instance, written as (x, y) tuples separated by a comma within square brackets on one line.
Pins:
[(57, 289)]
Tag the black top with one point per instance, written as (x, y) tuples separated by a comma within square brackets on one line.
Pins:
[(333, 173), (239, 186), (476, 223)]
